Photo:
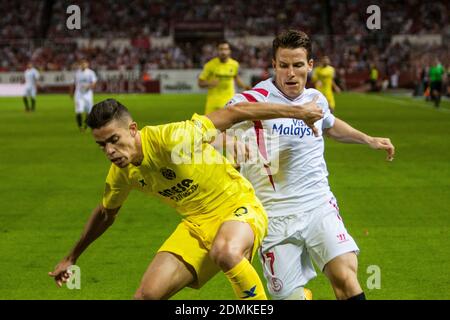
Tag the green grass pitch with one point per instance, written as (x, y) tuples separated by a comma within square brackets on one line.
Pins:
[(52, 176)]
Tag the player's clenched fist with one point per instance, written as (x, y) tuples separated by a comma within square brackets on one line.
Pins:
[(384, 144), (312, 113)]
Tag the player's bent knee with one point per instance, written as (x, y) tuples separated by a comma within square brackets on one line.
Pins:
[(225, 254), (138, 295), (148, 293)]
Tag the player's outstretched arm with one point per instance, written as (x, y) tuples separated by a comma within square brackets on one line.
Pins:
[(100, 220), (241, 83), (336, 88), (227, 117), (343, 132), (208, 84), (92, 85)]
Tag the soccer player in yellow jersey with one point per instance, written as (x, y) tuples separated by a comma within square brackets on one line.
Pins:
[(223, 221), (218, 76), (323, 79)]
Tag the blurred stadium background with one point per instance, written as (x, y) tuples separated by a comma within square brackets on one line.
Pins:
[(158, 46), (148, 55)]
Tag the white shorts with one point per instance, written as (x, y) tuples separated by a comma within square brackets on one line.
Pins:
[(84, 102), (293, 240), (29, 92)]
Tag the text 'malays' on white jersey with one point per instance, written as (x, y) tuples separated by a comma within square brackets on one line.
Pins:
[(31, 77), (293, 177), (83, 79)]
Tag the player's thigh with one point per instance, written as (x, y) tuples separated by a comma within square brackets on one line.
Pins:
[(242, 229), (165, 276), (33, 92), (342, 267), (286, 267), (327, 237), (188, 243)]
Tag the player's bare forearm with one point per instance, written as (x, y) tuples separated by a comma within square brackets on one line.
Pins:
[(99, 221), (205, 84), (336, 88), (202, 84), (227, 117), (241, 84), (343, 132)]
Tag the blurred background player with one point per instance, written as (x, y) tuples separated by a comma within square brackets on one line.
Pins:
[(85, 81), (31, 76), (218, 76), (373, 78), (323, 79), (436, 75)]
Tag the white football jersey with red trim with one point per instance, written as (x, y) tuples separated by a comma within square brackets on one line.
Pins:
[(291, 175)]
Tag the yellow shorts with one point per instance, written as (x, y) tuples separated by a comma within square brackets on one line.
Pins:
[(192, 240)]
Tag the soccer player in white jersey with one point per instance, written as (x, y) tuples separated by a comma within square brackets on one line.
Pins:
[(85, 81), (304, 219), (31, 80)]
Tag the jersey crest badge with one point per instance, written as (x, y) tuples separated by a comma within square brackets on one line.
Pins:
[(168, 173)]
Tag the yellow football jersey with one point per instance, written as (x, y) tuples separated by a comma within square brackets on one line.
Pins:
[(325, 75), (181, 168), (225, 72)]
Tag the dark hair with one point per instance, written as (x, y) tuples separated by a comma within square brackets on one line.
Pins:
[(106, 111), (292, 39), (223, 42)]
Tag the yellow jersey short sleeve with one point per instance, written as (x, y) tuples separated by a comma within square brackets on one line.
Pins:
[(117, 188), (206, 127), (207, 71), (170, 137)]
